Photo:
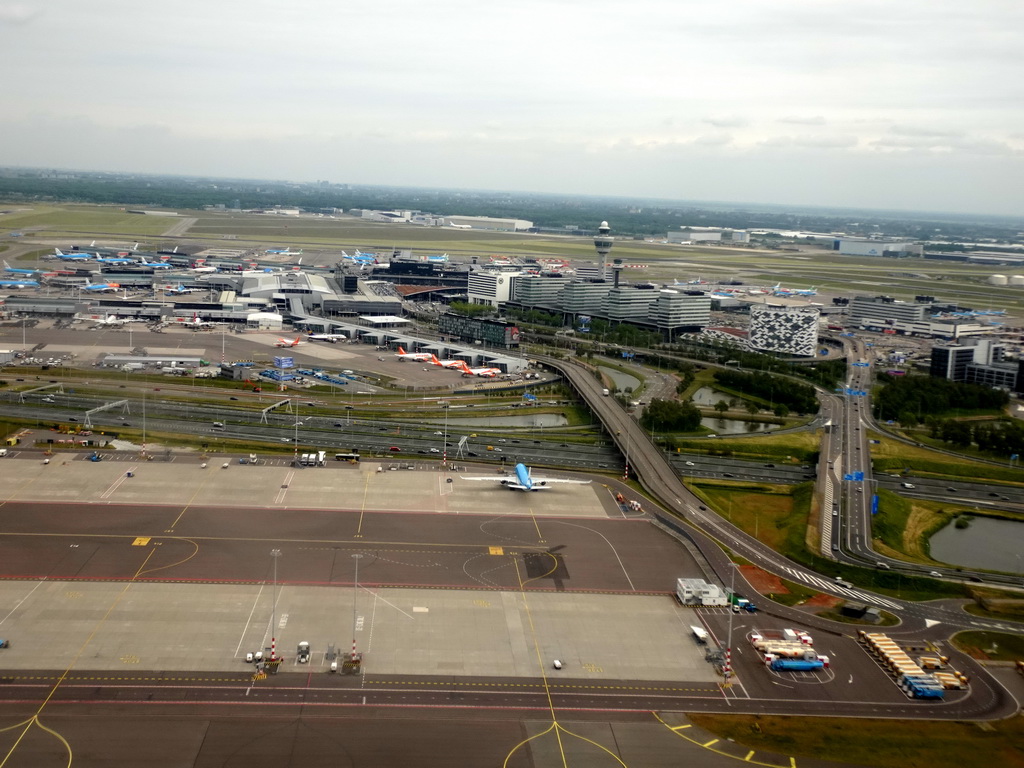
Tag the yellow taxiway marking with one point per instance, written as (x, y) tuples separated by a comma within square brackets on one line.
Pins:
[(681, 727), (709, 743), (750, 754), (496, 550), (140, 541)]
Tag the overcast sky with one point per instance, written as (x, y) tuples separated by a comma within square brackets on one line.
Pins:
[(915, 104)]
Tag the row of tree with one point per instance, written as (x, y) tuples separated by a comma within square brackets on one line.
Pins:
[(777, 391), (909, 399), (671, 416), (1002, 438)]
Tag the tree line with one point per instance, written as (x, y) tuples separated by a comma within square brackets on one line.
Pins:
[(909, 399)]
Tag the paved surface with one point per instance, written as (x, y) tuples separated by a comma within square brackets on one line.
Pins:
[(71, 477), (209, 628), (134, 603)]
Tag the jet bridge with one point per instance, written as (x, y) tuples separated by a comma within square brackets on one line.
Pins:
[(107, 407), (269, 408)]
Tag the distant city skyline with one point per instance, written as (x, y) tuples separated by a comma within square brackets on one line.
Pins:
[(912, 106)]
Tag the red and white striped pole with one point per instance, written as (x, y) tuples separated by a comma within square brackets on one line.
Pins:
[(728, 664)]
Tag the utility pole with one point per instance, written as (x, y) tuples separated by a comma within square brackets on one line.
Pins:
[(274, 554), (355, 598), (727, 672)]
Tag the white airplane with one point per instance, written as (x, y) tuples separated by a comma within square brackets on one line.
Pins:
[(181, 290), (330, 337), (115, 320), (102, 287), (524, 480), (202, 270), (153, 264), (447, 363), (196, 322), (287, 343), (460, 226), (487, 373), (420, 357)]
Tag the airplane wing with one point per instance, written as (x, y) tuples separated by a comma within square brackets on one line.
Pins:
[(538, 483), (509, 481)]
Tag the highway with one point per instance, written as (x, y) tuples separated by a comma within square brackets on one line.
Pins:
[(657, 476)]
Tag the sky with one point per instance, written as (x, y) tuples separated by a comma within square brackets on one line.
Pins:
[(909, 105)]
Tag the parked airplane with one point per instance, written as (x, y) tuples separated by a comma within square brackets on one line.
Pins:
[(778, 290), (524, 480), (111, 260), (460, 226), (331, 337), (154, 264), (284, 252), (196, 322), (447, 363), (19, 284), (70, 256), (360, 258), (286, 343), (202, 270), (488, 373), (180, 290), (101, 287), (18, 271), (115, 320), (421, 357)]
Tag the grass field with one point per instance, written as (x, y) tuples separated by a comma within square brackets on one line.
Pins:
[(792, 446), (824, 269), (893, 456), (879, 743), (995, 646), (70, 220)]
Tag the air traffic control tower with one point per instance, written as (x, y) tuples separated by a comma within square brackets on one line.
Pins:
[(603, 245)]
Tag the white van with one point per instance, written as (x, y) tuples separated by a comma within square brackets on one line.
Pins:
[(700, 635), (906, 485)]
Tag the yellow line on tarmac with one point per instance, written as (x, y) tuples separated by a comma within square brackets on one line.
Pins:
[(34, 720)]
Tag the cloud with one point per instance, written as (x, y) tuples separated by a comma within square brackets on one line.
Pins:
[(821, 141), (17, 13), (726, 122), (815, 120), (929, 132)]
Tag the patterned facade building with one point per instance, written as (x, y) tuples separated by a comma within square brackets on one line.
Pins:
[(788, 330)]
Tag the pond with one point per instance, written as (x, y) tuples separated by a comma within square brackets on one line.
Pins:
[(986, 543), (733, 427), (525, 420), (622, 380), (707, 397)]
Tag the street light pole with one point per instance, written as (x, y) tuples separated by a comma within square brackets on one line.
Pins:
[(355, 598), (728, 642), (274, 553)]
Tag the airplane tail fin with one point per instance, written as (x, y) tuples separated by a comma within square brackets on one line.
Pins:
[(434, 360), (401, 351), (58, 252)]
